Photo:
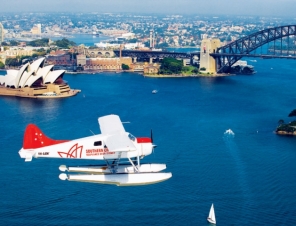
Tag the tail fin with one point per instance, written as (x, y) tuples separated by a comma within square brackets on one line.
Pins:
[(35, 138)]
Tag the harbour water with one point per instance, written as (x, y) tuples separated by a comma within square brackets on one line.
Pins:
[(248, 174), (85, 39)]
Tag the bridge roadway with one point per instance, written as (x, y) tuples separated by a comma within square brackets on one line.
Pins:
[(179, 55), (155, 54)]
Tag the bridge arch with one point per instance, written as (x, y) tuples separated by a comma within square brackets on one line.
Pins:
[(227, 55)]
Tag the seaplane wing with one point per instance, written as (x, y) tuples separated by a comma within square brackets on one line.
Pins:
[(119, 143), (111, 124), (117, 139)]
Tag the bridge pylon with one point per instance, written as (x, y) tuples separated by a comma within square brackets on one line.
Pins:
[(207, 62)]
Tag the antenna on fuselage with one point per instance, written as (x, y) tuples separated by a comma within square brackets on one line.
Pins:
[(92, 132)]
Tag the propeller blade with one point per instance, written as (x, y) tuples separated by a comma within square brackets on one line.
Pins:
[(151, 136)]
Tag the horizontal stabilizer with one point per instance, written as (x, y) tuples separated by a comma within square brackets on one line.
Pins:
[(111, 124), (28, 158), (119, 142)]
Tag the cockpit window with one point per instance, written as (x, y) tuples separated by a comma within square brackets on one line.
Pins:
[(131, 137), (98, 143)]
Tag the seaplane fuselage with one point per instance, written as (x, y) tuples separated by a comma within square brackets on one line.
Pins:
[(37, 145)]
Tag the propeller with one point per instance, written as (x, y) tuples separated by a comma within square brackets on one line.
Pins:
[(153, 145), (151, 136)]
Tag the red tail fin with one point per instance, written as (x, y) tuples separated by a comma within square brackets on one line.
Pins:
[(35, 138)]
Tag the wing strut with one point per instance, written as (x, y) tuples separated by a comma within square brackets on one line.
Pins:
[(135, 167), (114, 165)]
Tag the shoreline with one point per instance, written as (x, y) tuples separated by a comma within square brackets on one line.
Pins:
[(284, 133), (187, 76), (153, 75), (146, 75)]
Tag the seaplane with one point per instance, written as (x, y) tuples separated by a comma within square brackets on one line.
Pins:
[(112, 146)]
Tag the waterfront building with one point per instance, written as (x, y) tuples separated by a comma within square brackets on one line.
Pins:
[(81, 60), (106, 64), (14, 52), (2, 57), (105, 45), (151, 69), (242, 63), (94, 52), (145, 67), (108, 32), (1, 33), (35, 80), (60, 59), (136, 45)]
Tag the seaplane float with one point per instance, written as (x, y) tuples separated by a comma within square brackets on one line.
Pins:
[(112, 146)]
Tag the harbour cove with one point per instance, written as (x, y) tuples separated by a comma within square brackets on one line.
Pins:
[(249, 174)]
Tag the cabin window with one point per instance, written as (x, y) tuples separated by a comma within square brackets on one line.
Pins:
[(131, 137), (98, 143)]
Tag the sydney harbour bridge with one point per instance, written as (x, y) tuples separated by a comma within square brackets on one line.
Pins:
[(276, 42)]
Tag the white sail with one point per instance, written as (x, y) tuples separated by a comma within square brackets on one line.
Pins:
[(211, 217)]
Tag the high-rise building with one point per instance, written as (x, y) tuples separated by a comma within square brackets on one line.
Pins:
[(36, 29), (1, 33)]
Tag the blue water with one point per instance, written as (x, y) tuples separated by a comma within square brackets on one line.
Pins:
[(86, 39), (249, 176)]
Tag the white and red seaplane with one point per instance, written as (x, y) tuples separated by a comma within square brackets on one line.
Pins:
[(112, 145)]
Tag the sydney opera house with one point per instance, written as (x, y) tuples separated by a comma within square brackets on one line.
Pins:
[(35, 81)]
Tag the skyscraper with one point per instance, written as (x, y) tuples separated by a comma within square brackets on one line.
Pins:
[(1, 33)]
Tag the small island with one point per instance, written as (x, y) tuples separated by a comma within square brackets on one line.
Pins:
[(287, 128)]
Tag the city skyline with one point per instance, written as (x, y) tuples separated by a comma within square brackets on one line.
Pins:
[(214, 7)]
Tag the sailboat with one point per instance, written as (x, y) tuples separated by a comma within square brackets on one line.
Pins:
[(211, 218)]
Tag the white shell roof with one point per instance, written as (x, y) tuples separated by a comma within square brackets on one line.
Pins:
[(36, 64), (29, 73), (24, 79), (53, 75), (20, 73), (9, 77), (33, 78), (2, 79), (46, 70)]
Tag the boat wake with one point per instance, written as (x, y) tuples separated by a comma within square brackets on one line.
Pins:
[(243, 184), (229, 132)]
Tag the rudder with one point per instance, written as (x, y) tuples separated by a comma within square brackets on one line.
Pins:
[(35, 138)]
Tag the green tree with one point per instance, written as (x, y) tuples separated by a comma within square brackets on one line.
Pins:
[(2, 66), (13, 43), (163, 45), (171, 66), (195, 70), (292, 113), (12, 62), (39, 42), (64, 43), (125, 67), (281, 122)]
